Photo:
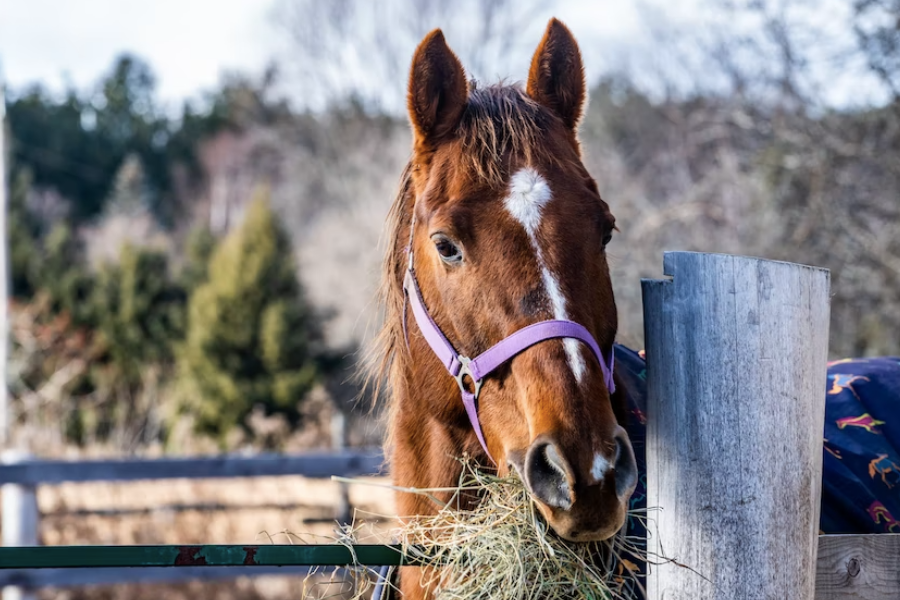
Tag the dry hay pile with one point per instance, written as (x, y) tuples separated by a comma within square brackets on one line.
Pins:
[(504, 550)]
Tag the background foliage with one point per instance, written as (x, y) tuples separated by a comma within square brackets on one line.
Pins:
[(251, 339), (204, 274)]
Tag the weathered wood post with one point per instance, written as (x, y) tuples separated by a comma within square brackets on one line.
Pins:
[(342, 510), (736, 359), (20, 518), (5, 286)]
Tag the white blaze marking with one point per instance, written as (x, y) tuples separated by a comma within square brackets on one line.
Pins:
[(528, 194), (600, 467)]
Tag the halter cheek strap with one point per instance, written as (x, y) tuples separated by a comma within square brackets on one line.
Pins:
[(484, 364)]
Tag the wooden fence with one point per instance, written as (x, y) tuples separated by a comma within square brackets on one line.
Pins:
[(20, 476), (736, 369)]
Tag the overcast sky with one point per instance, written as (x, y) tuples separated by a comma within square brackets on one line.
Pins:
[(189, 43)]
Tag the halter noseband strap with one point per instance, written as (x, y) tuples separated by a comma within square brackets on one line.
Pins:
[(488, 361)]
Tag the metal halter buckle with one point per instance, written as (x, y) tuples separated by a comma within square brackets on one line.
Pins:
[(463, 371)]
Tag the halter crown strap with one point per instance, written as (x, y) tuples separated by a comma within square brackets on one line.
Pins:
[(485, 363)]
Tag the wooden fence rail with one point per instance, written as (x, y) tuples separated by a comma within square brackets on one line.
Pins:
[(31, 472), (858, 567), (20, 475), (22, 583)]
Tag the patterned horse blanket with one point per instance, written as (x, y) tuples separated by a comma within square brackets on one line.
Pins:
[(861, 467)]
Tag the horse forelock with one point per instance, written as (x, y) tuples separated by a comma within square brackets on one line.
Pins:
[(500, 121)]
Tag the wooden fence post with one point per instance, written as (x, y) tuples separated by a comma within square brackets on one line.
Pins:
[(736, 361), (5, 284), (342, 512), (20, 519)]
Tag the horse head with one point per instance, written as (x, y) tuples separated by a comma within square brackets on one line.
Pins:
[(502, 228)]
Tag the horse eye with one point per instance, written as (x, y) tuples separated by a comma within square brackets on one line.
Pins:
[(448, 251), (607, 239)]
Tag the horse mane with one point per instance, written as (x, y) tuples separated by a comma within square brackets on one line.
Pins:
[(499, 121)]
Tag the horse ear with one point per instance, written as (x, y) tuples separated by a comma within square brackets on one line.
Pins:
[(437, 89), (556, 77)]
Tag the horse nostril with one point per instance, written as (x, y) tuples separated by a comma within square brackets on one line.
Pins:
[(625, 465), (547, 475)]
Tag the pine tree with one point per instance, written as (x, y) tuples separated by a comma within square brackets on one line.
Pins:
[(129, 193), (138, 314), (251, 338), (63, 275), (199, 247), (22, 235), (139, 310)]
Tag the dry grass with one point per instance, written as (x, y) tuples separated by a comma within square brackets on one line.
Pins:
[(503, 550)]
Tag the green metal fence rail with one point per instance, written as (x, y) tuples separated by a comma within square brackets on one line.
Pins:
[(275, 555)]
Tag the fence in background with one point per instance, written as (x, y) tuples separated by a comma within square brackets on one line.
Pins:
[(20, 476)]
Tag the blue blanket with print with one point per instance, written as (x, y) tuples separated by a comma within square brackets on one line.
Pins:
[(861, 449), (861, 467)]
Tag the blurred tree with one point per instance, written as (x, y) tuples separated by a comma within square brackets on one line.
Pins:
[(374, 43), (139, 315), (877, 27), (199, 247), (128, 120), (22, 236), (77, 144), (251, 338), (129, 192), (139, 310), (243, 101), (49, 138), (64, 276), (50, 262)]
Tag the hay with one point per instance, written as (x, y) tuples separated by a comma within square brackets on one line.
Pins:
[(503, 549)]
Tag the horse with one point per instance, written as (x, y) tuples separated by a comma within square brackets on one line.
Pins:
[(497, 250), (500, 317)]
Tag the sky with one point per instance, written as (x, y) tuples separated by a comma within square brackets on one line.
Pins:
[(189, 44)]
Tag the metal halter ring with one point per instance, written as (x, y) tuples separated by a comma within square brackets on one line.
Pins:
[(463, 371)]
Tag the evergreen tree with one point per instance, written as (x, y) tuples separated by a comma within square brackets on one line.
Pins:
[(129, 189), (63, 275), (200, 245), (42, 260), (77, 143), (22, 235), (138, 314), (251, 338), (139, 310)]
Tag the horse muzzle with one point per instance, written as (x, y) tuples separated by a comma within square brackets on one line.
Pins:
[(582, 498)]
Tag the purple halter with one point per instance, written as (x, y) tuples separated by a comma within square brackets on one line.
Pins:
[(485, 363)]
